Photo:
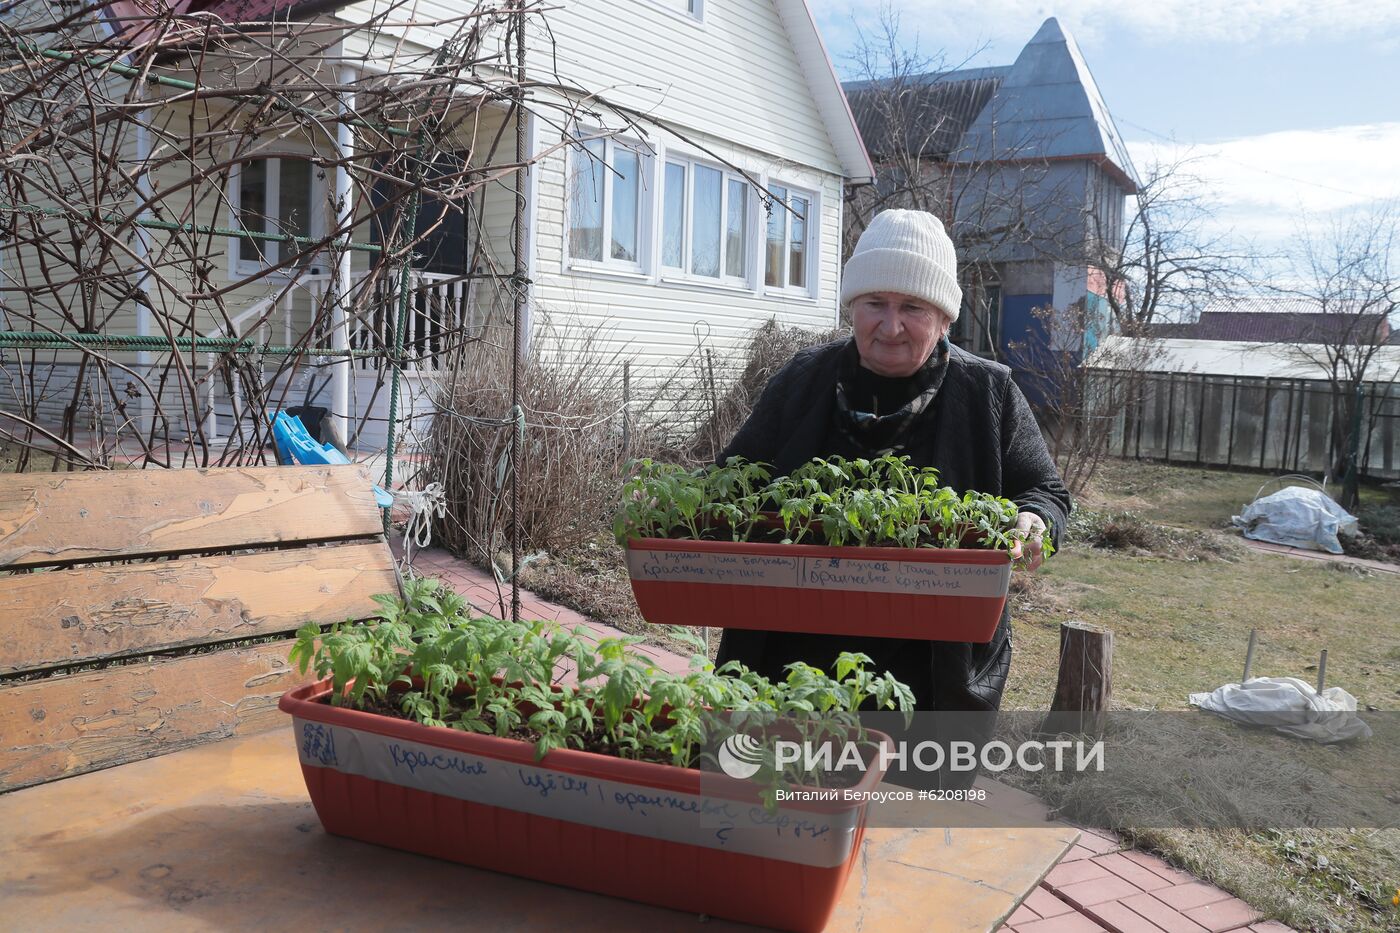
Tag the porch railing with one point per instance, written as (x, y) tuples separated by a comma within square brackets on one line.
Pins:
[(440, 308)]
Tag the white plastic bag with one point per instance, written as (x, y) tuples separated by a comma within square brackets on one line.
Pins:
[(1297, 517), (1289, 705)]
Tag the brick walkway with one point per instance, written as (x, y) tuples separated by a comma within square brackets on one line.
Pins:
[(480, 589), (1099, 884), (1102, 885)]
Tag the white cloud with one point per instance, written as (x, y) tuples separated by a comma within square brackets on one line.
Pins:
[(1154, 20), (1264, 184)]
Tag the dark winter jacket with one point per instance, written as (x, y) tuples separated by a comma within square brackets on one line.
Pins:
[(977, 430)]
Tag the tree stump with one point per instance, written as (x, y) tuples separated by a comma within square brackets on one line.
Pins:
[(1085, 682)]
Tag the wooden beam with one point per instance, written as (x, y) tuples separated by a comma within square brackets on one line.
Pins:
[(61, 726), (60, 518), (85, 613)]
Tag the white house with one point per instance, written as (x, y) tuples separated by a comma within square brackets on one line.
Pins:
[(662, 129)]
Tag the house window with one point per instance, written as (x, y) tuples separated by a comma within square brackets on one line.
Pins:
[(274, 196), (788, 242), (607, 204), (978, 327), (705, 222)]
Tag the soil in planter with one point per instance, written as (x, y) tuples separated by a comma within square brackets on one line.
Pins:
[(596, 742)]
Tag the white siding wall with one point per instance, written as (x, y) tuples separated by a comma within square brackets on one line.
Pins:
[(733, 75)]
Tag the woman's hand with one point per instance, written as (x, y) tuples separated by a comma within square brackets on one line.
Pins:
[(1029, 528)]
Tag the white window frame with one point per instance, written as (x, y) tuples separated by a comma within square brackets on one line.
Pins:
[(695, 14), (646, 198), (973, 332), (240, 267), (683, 274), (808, 289)]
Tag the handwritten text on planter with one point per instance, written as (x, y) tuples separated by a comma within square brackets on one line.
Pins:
[(939, 578)]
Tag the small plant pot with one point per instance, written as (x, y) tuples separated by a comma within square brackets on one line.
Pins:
[(924, 593), (637, 830)]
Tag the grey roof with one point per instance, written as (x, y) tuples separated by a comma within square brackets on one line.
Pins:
[(931, 112), (1048, 106)]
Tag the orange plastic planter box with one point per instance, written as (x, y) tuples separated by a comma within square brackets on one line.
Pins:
[(926, 593), (637, 830)]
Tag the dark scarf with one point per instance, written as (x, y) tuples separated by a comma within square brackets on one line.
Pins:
[(862, 396)]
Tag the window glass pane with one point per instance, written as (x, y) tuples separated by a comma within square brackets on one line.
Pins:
[(252, 207), (777, 234), (586, 201), (797, 258), (625, 185), (736, 230), (673, 223), (444, 250), (294, 203), (705, 222)]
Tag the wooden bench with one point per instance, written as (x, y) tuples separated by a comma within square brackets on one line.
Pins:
[(145, 614)]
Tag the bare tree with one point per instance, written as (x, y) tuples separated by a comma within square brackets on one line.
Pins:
[(1165, 260), (1348, 275), (1079, 400)]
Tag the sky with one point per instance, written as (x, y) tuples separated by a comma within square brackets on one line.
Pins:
[(1289, 108)]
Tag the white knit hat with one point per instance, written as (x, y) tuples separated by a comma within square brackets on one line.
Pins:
[(905, 252)]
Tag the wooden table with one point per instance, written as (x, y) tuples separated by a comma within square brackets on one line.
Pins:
[(223, 837)]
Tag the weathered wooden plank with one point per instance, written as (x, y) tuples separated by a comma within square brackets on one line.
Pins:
[(48, 518), (67, 725), (85, 613)]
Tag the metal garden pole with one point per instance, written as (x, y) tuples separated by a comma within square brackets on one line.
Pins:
[(518, 318)]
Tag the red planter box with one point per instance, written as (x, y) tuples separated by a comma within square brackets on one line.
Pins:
[(642, 831), (925, 593)]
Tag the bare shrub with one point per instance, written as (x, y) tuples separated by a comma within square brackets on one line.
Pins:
[(706, 400), (576, 445), (571, 396), (1130, 532)]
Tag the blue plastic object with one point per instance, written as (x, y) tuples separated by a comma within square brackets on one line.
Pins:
[(295, 445)]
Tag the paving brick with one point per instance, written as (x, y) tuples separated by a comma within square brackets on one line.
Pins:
[(1101, 841), (1078, 852), (1168, 918), (1046, 904), (1129, 870), (1229, 914), (1022, 914), (1184, 897), (1065, 923), (1120, 919), (1158, 867), (1097, 890), (1075, 872), (1271, 926)]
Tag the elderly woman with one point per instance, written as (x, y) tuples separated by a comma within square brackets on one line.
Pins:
[(898, 385)]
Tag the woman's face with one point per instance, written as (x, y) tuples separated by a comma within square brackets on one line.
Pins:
[(896, 333)]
